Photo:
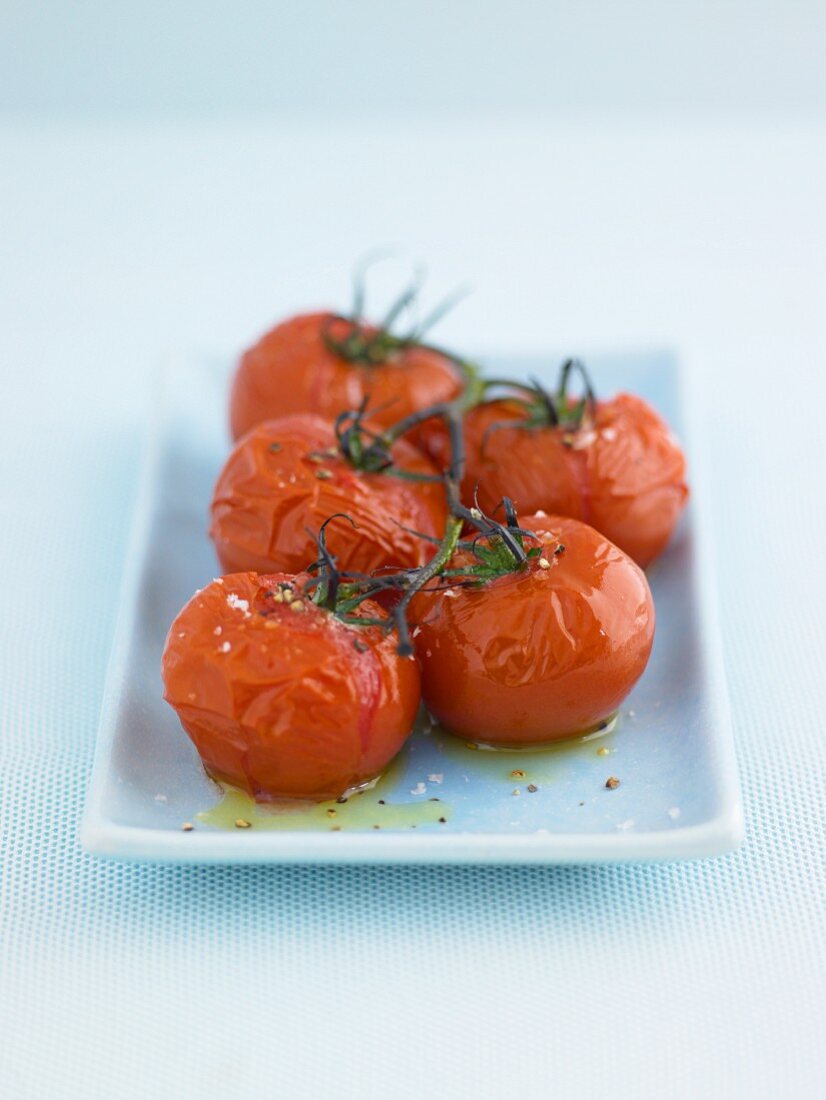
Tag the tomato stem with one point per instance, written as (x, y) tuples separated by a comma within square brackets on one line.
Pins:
[(427, 572), (542, 407), (370, 346), (329, 577)]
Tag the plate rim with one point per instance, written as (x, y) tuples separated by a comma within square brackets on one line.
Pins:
[(718, 835)]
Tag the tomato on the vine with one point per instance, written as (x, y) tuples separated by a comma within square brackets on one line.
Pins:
[(323, 363), (621, 471), (521, 654), (282, 697), (287, 476)]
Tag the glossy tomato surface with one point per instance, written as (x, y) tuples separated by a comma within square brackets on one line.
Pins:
[(541, 654), (624, 474), (286, 703), (291, 369), (286, 477)]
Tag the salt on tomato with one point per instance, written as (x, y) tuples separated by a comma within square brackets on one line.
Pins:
[(286, 703), (286, 477), (541, 653), (623, 473), (292, 369)]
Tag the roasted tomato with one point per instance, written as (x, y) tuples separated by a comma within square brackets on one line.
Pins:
[(281, 697), (543, 652), (287, 476), (622, 472), (296, 368)]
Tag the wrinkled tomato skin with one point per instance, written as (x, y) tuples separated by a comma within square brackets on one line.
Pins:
[(283, 704), (541, 654), (279, 484), (624, 475), (291, 370)]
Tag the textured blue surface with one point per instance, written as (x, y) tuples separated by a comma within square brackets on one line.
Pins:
[(676, 980)]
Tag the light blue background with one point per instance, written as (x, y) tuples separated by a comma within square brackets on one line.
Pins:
[(124, 241), (370, 58)]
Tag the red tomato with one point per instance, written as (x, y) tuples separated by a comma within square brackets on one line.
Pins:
[(542, 653), (624, 474), (292, 369), (286, 703), (286, 476)]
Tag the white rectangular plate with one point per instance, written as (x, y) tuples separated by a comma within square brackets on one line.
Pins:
[(672, 750)]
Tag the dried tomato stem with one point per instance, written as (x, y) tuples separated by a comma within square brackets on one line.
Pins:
[(329, 577), (408, 423), (509, 383), (432, 569), (589, 401), (372, 348)]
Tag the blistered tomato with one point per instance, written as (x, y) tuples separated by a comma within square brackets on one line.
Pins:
[(293, 368), (541, 653), (623, 472), (286, 477), (281, 697)]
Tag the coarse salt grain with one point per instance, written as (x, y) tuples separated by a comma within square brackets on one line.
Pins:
[(420, 788), (584, 440), (226, 647), (437, 778), (237, 602), (218, 630)]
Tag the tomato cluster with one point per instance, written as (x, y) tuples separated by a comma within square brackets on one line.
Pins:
[(365, 571)]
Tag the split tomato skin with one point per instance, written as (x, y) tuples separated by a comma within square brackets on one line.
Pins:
[(284, 703), (286, 477), (291, 369), (624, 474), (540, 654)]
